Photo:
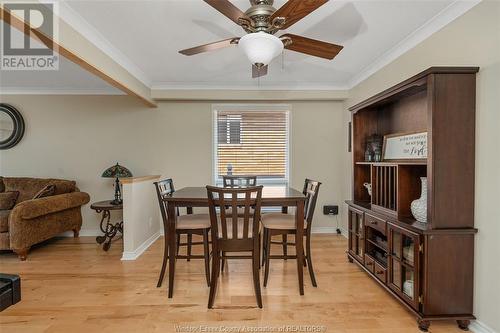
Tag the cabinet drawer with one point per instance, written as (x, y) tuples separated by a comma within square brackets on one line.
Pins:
[(369, 263), (380, 272), (375, 223)]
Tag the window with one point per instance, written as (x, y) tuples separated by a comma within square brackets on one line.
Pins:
[(251, 140), (229, 128)]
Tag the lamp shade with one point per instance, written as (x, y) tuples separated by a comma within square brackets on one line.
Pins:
[(261, 47), (116, 171)]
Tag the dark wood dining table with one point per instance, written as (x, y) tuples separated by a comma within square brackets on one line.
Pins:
[(272, 196)]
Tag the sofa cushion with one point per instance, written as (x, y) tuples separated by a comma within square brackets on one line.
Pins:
[(8, 199), (4, 220), (63, 186), (47, 191), (28, 187)]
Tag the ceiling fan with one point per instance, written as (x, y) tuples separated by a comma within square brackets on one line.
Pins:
[(261, 21)]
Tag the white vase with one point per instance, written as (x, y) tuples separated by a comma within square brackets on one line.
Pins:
[(419, 206)]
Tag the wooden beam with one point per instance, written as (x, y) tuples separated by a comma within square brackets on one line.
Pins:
[(100, 65)]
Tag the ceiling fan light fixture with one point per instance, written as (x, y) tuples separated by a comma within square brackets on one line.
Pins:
[(261, 47)]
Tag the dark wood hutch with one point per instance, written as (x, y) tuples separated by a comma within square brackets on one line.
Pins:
[(429, 266)]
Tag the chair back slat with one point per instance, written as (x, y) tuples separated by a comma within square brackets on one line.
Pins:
[(239, 181), (223, 217), (246, 215), (234, 217), (310, 191), (227, 200)]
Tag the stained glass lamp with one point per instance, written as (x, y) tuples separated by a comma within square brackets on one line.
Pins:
[(117, 171)]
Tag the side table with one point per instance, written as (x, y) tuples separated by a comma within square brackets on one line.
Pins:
[(109, 229)]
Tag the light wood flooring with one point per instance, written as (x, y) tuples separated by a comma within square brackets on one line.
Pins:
[(71, 285)]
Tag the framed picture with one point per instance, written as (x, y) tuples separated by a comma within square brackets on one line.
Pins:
[(405, 146)]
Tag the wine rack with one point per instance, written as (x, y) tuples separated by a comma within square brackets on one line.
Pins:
[(384, 187)]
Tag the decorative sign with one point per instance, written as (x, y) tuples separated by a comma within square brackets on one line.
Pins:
[(406, 146)]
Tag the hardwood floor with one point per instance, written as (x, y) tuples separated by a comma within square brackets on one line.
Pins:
[(71, 285)]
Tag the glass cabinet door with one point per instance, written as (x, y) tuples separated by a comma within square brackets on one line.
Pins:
[(403, 263), (359, 237), (356, 230)]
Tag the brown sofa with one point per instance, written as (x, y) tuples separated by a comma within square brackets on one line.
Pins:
[(32, 221)]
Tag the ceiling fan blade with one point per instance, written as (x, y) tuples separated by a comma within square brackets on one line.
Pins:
[(258, 72), (229, 10), (210, 47), (295, 10), (312, 47)]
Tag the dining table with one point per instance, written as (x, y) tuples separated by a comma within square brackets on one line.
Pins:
[(272, 196)]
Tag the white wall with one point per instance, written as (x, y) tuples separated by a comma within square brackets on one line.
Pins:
[(77, 137), (141, 217), (471, 40)]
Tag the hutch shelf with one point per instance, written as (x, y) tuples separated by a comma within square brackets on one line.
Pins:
[(429, 266)]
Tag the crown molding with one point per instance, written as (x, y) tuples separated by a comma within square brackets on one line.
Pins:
[(70, 16), (249, 95), (55, 91), (436, 23), (172, 86)]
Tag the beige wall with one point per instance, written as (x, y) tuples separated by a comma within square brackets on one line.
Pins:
[(471, 40), (77, 137)]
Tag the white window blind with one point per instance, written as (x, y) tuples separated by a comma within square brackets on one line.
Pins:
[(252, 140)]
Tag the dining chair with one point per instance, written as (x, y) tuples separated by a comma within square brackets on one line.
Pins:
[(189, 225), (284, 224), (238, 181), (235, 181), (232, 233)]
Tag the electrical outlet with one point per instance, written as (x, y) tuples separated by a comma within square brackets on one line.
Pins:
[(330, 210)]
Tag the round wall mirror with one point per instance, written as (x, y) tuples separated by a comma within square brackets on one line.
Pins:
[(11, 126)]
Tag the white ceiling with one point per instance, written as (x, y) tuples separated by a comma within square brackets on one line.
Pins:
[(145, 37), (69, 78)]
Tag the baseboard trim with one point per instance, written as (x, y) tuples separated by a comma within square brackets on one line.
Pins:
[(92, 232), (84, 232), (317, 230), (133, 255), (327, 230), (477, 326)]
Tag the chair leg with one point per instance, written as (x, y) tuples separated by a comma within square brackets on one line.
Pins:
[(206, 253), (264, 247), (309, 260), (259, 250), (178, 242), (256, 280), (214, 279), (164, 264), (305, 253), (189, 241), (223, 261), (284, 241), (268, 247)]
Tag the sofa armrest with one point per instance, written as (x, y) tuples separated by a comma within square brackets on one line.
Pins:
[(31, 209)]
